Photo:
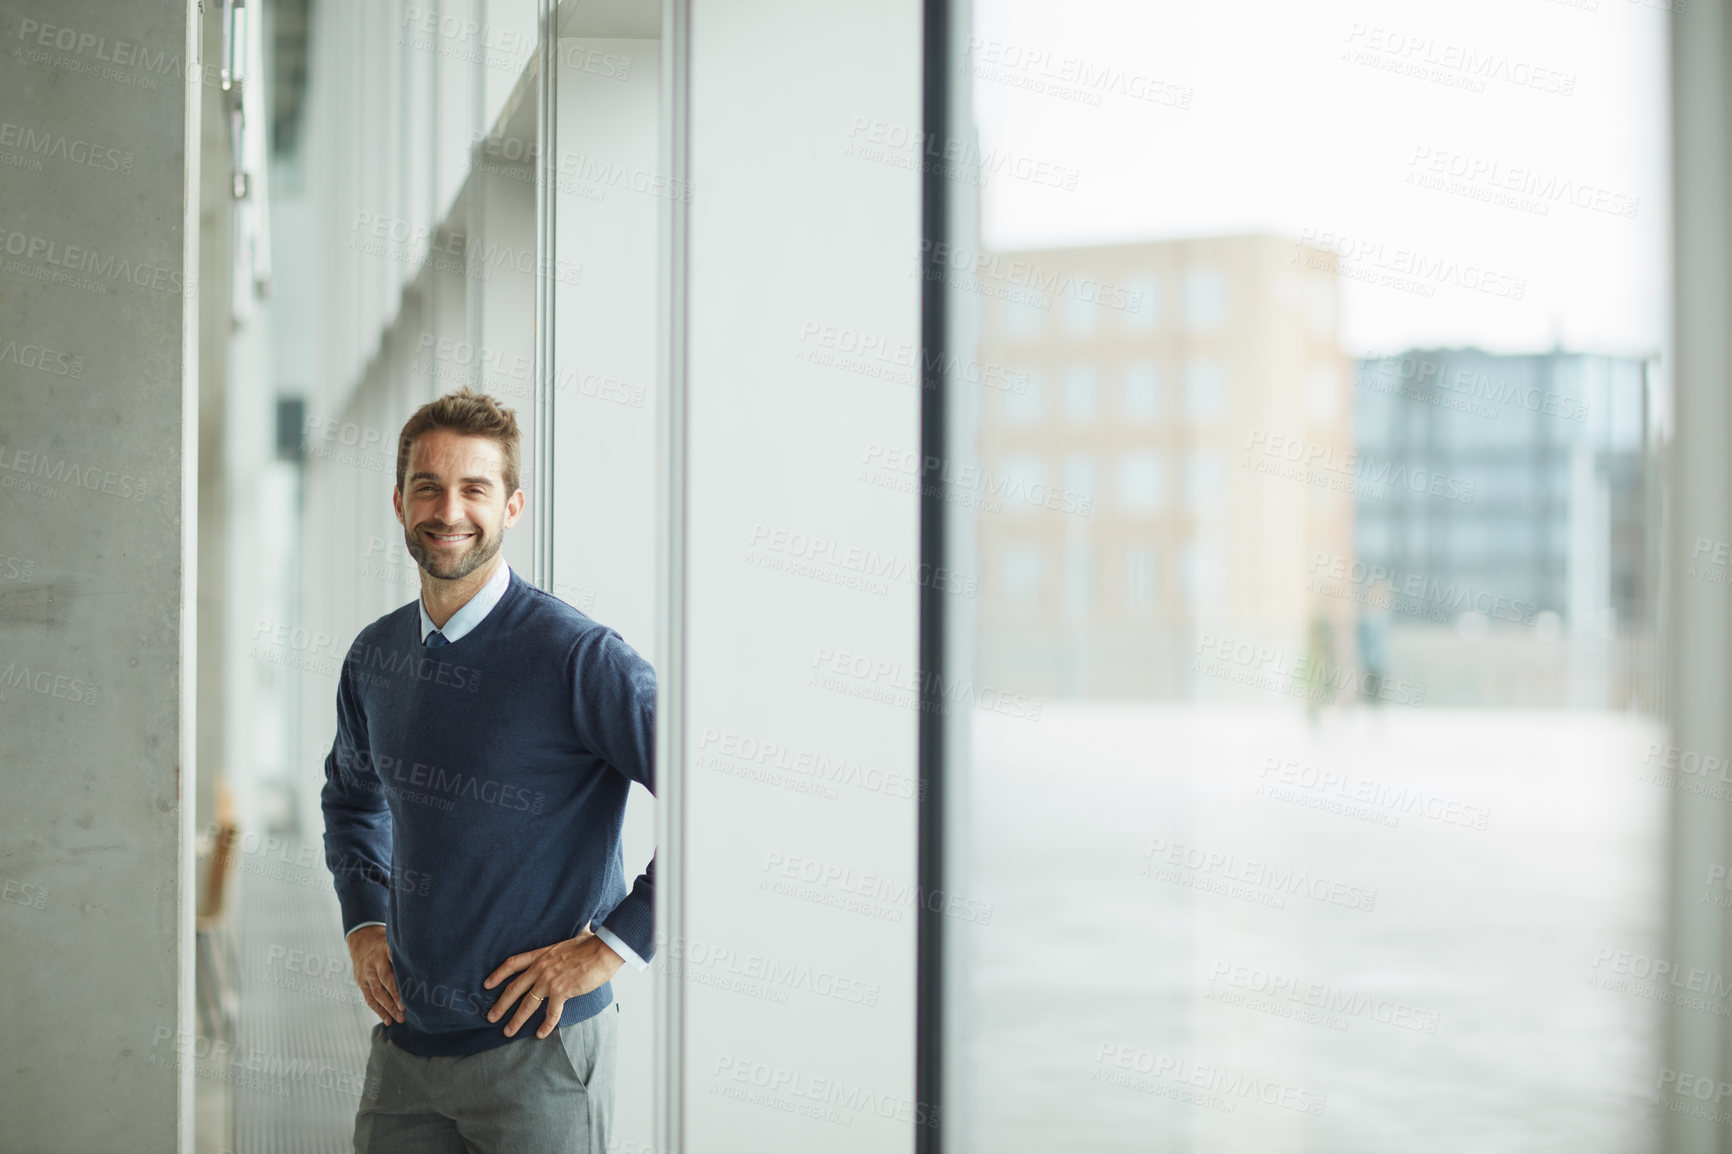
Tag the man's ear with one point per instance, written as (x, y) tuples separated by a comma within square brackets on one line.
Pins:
[(397, 504), (514, 508)]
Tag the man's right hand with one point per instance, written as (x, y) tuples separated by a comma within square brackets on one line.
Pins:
[(371, 957)]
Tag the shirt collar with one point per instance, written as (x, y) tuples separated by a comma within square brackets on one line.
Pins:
[(473, 611)]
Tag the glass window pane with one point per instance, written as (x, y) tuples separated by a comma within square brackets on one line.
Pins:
[(1333, 828)]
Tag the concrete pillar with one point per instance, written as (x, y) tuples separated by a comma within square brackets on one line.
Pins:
[(98, 495)]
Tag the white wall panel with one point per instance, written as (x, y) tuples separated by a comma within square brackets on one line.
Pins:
[(800, 863)]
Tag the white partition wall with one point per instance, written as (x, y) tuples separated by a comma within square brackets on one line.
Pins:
[(604, 478), (799, 808)]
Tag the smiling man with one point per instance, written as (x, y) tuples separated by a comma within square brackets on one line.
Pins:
[(487, 737)]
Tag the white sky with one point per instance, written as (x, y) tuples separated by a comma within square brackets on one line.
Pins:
[(1283, 135)]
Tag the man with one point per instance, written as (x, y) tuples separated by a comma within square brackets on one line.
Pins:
[(487, 737)]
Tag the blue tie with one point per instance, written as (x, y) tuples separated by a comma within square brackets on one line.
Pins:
[(435, 639)]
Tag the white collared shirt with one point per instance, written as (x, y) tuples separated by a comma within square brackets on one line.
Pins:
[(473, 612)]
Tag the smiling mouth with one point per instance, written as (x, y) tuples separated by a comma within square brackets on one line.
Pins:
[(447, 538)]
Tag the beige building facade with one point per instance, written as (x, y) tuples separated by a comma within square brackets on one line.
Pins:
[(1175, 452)]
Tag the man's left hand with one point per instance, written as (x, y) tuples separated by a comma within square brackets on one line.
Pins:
[(548, 977)]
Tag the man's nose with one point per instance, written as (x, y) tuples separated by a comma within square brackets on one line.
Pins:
[(450, 508)]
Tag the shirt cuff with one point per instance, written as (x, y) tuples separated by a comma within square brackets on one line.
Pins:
[(612, 941), (363, 925)]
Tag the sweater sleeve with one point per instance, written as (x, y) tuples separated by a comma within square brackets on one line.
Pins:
[(613, 707), (357, 820)]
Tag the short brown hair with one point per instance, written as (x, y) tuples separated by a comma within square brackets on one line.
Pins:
[(470, 414)]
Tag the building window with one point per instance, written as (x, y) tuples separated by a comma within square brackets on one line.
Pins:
[(1205, 389), (1198, 574), (1082, 315), (1081, 393), (1320, 307), (1021, 319), (1078, 579), (1204, 481), (1024, 483), (1142, 399), (1140, 482), (1139, 579), (1323, 395), (1024, 407), (1205, 299), (1019, 576), (1142, 303), (1079, 483)]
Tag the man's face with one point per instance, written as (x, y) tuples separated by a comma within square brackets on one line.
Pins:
[(454, 508)]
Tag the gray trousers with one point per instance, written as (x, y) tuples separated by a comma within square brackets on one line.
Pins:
[(550, 1095)]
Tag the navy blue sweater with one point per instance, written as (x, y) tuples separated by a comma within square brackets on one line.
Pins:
[(473, 802)]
